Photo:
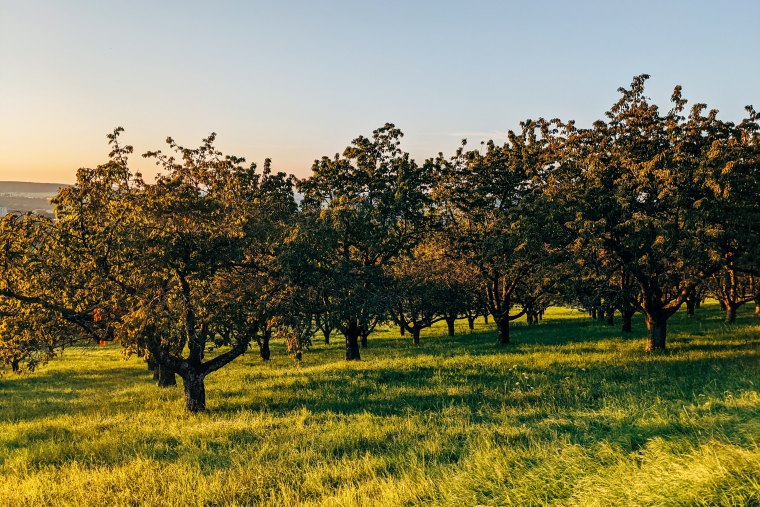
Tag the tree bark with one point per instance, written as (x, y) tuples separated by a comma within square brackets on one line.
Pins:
[(450, 325), (503, 324), (352, 345), (691, 304), (416, 335), (166, 377), (610, 316), (731, 313), (264, 350), (627, 317), (471, 323), (195, 392), (402, 330), (153, 366), (529, 317), (658, 328), (326, 333), (485, 319)]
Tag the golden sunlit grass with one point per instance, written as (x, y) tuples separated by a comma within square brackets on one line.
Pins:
[(571, 414)]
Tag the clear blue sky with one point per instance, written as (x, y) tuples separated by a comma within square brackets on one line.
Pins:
[(295, 80)]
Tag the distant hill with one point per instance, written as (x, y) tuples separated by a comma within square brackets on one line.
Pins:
[(27, 196)]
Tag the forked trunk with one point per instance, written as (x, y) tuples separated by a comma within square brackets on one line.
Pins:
[(658, 328), (166, 377), (352, 346), (503, 324), (195, 392)]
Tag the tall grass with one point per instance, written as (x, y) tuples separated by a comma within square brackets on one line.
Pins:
[(571, 413)]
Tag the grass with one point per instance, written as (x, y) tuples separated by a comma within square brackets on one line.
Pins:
[(570, 414)]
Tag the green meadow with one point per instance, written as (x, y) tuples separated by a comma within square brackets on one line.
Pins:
[(571, 413)]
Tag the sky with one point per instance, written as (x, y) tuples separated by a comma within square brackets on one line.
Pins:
[(296, 80)]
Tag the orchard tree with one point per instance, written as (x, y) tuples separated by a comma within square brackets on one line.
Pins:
[(493, 213), (365, 207), (640, 187)]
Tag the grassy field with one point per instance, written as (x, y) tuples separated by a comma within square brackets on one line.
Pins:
[(569, 414)]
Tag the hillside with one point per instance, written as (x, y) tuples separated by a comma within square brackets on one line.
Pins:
[(27, 196), (569, 414)]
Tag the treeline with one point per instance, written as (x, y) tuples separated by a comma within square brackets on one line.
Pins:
[(645, 211)]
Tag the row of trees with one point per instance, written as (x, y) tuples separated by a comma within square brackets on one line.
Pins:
[(644, 211)]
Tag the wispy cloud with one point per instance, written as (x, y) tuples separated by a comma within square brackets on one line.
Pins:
[(491, 134)]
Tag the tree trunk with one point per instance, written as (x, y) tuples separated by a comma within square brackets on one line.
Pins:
[(485, 319), (416, 335), (195, 392), (722, 305), (529, 317), (403, 331), (326, 333), (364, 337), (627, 317), (658, 328), (600, 315), (698, 303), (352, 346), (691, 304), (593, 313), (731, 313), (503, 324), (471, 323), (15, 366), (610, 316), (153, 366), (264, 350), (450, 325), (166, 377)]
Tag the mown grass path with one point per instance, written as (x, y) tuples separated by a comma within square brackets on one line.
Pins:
[(570, 414)]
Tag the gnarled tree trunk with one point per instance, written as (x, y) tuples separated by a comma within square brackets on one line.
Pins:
[(165, 376), (195, 391), (658, 329)]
